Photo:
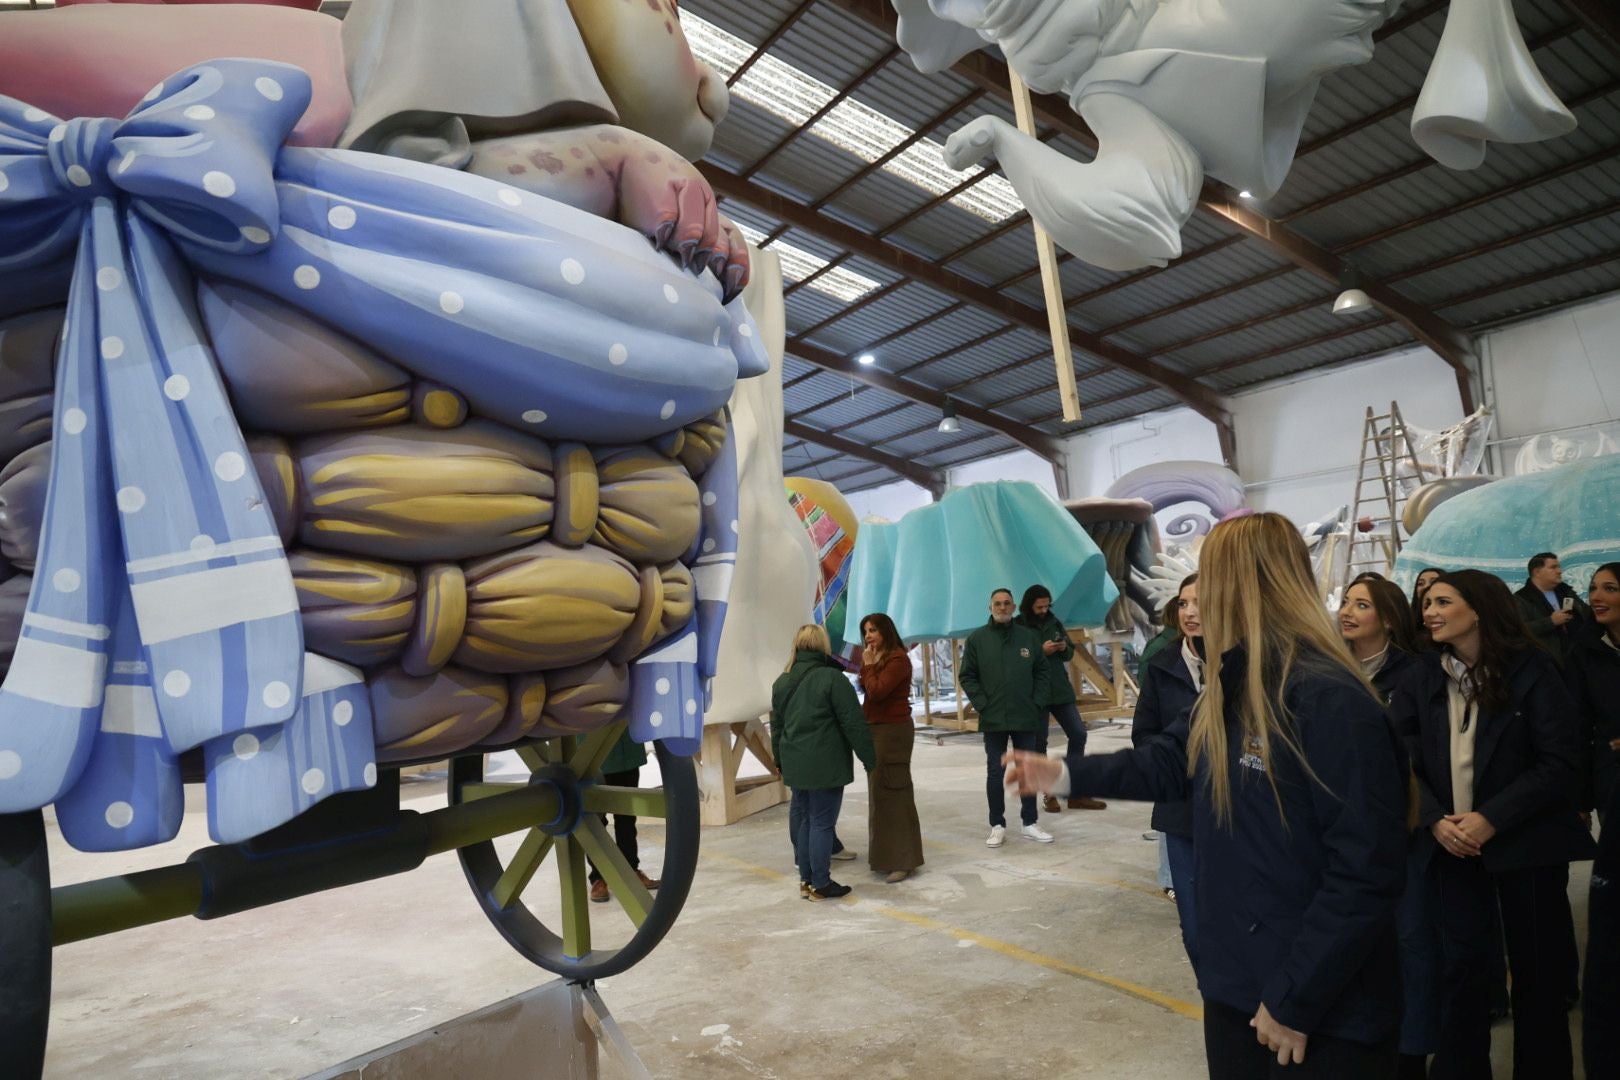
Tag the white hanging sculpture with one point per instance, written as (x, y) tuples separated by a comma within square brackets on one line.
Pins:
[(1179, 89)]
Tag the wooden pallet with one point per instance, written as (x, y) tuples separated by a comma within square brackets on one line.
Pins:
[(726, 798)]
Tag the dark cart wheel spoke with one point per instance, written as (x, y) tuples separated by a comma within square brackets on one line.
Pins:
[(573, 764)]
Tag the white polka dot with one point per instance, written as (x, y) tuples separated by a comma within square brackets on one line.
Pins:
[(313, 781), (451, 303), (230, 466), (34, 116), (572, 271), (691, 707), (154, 93), (717, 335), (120, 814), (202, 542), (176, 387), (10, 764), (176, 683), (306, 277), (57, 132), (710, 498), (112, 348), (66, 580), (342, 713), (668, 410), (618, 354), (199, 112), (662, 686), (268, 87), (126, 161), (672, 294), (74, 421), (369, 774), (745, 330), (245, 747), (131, 499), (109, 278), (534, 416), (708, 545), (5, 181), (733, 525), (341, 217), (78, 176), (656, 719), (218, 184), (255, 235), (508, 196), (276, 695)]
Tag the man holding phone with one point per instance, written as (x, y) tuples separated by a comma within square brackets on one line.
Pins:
[(1552, 611)]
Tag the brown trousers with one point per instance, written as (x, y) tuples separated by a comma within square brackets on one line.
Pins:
[(894, 837)]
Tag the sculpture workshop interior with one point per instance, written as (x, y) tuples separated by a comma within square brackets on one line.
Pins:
[(529, 527)]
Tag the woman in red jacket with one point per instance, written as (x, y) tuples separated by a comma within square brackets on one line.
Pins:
[(894, 837)]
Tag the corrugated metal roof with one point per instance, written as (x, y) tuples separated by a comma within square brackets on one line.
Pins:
[(1233, 316)]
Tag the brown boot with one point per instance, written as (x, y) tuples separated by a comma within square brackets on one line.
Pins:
[(1051, 806), (1079, 802), (650, 884), (599, 891)]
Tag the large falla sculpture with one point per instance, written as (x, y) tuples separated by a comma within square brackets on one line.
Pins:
[(1180, 90), (321, 459)]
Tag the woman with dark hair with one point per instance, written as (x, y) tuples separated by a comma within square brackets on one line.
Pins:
[(1426, 577), (1035, 612), (1496, 757), (1298, 810), (1170, 682), (894, 836), (1593, 673), (1377, 625)]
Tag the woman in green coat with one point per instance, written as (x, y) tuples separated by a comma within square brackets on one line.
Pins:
[(1035, 612), (816, 721)]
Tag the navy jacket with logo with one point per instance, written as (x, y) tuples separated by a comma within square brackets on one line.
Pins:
[(1298, 915), (1167, 696)]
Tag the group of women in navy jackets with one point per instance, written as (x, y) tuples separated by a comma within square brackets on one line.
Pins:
[(1359, 800)]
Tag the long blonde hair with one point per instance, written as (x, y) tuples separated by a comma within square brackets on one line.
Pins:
[(810, 637), (1256, 588)]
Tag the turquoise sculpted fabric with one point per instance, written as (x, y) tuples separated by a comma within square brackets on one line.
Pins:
[(1573, 510), (933, 570)]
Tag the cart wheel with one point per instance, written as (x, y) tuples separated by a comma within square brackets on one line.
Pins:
[(25, 943), (574, 766)]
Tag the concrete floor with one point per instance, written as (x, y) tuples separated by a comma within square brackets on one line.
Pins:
[(1058, 960)]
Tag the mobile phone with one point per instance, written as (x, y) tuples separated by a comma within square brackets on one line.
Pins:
[(1569, 603)]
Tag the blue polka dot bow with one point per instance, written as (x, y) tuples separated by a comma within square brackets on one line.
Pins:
[(549, 319)]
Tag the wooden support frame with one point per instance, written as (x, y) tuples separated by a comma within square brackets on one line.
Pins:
[(1097, 696), (726, 798)]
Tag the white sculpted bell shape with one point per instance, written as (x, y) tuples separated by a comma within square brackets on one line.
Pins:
[(1179, 89)]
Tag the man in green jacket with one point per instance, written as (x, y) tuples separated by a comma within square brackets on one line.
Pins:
[(1035, 612), (1005, 675), (622, 768)]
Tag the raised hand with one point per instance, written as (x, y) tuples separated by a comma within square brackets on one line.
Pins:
[(1031, 772)]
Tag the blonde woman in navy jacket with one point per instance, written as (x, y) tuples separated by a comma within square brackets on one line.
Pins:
[(1299, 816)]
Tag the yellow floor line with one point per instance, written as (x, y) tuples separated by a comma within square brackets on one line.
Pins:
[(1014, 952)]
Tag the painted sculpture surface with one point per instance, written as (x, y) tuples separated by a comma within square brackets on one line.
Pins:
[(1573, 510), (350, 459), (829, 521), (1177, 90), (933, 570), (777, 573)]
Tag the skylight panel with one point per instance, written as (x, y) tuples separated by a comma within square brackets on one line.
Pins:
[(798, 264)]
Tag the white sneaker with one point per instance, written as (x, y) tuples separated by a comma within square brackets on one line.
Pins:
[(1037, 834), (997, 837)]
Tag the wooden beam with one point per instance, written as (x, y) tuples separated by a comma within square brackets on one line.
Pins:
[(931, 479), (1198, 397), (1601, 18), (983, 70), (1043, 445)]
